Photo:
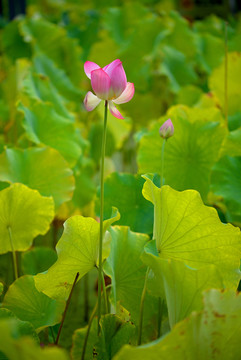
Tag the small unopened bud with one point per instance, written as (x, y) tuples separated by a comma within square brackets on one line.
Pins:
[(167, 129)]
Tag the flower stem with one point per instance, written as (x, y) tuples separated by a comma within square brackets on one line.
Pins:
[(101, 212), (66, 308), (162, 160), (143, 295), (15, 265), (88, 331), (226, 73)]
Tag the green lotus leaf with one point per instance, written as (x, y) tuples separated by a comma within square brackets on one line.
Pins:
[(51, 39), (59, 79), (216, 83), (180, 36), (13, 43), (182, 285), (24, 214), (18, 328), (226, 183), (28, 304), (187, 230), (22, 348), (78, 342), (232, 144), (177, 69), (136, 211), (37, 260), (39, 87), (201, 336), (42, 169), (44, 126), (128, 272), (85, 187), (190, 153), (211, 51), (77, 253), (114, 334)]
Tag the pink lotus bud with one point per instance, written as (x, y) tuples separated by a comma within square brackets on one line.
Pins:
[(167, 129)]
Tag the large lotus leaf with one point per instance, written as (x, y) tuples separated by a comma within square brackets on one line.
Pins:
[(212, 334), (114, 334), (1, 288), (176, 68), (18, 328), (23, 348), (190, 153), (211, 51), (24, 214), (12, 42), (44, 126), (58, 77), (180, 36), (85, 187), (78, 341), (39, 87), (28, 304), (232, 144), (182, 285), (127, 273), (77, 252), (216, 83), (43, 169), (226, 183), (53, 40), (37, 260), (124, 191), (187, 230)]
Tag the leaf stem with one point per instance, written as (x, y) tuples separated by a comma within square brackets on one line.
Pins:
[(86, 297), (160, 313), (226, 72), (15, 265), (66, 308), (104, 293), (143, 295), (101, 212), (88, 331), (162, 160)]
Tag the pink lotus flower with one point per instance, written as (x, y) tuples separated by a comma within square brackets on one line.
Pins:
[(109, 84), (167, 129)]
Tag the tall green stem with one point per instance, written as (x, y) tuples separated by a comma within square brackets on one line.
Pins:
[(15, 265), (101, 212), (86, 297), (66, 308), (162, 160), (104, 293), (143, 295), (226, 73), (88, 331)]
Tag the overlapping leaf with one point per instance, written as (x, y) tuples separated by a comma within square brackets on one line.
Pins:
[(201, 336), (187, 230), (77, 252), (28, 304), (136, 211), (44, 126), (24, 214), (226, 183), (42, 169), (190, 153)]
